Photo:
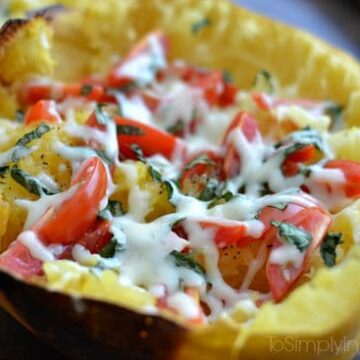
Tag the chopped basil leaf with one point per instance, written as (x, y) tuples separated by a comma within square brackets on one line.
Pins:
[(138, 152), (114, 207), (30, 183), (213, 188), (101, 117), (35, 134), (328, 248), (335, 112), (19, 116), (187, 261), (308, 136), (279, 206), (108, 251), (265, 190), (155, 175), (86, 89), (4, 170), (264, 82), (227, 77), (129, 130), (169, 188), (177, 128), (293, 235), (199, 25), (202, 159), (104, 157), (305, 170), (177, 222), (224, 198)]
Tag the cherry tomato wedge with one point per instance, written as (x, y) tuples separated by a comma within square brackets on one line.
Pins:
[(43, 110), (97, 237), (18, 260), (150, 139), (247, 124), (227, 232), (33, 93), (351, 171), (75, 215), (304, 155), (198, 171), (140, 60), (282, 277)]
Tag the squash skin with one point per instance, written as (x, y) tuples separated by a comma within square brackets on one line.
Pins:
[(89, 329)]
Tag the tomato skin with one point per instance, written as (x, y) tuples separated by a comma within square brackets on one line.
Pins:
[(193, 180), (151, 140), (32, 93), (305, 155), (247, 124), (97, 237), (227, 232), (351, 171), (75, 216), (313, 220), (143, 47), (43, 111), (18, 260)]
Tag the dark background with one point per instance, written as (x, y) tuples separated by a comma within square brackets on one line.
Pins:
[(335, 21)]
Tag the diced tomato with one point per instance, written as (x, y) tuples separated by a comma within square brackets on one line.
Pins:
[(228, 95), (261, 101), (143, 49), (304, 155), (282, 277), (150, 139), (33, 93), (247, 124), (97, 237), (193, 179), (18, 260), (43, 110), (151, 101), (351, 171), (216, 91), (66, 224), (227, 232)]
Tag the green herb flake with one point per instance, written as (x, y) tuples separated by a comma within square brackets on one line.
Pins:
[(188, 262), (264, 82), (4, 170), (279, 206), (328, 248), (102, 118), (212, 189), (129, 130), (113, 207), (177, 128), (30, 183), (104, 157), (293, 235), (335, 112), (108, 251), (35, 134), (200, 25), (224, 198), (19, 116), (155, 174), (202, 159), (138, 152), (227, 77), (86, 89)]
